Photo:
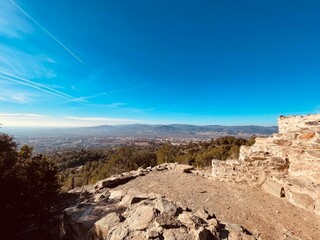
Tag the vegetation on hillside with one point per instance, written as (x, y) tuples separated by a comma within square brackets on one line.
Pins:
[(78, 168), (31, 183), (30, 187), (89, 166)]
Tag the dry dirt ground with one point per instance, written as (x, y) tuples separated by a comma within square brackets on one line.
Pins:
[(261, 213)]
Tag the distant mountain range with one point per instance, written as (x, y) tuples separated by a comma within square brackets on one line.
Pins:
[(179, 129), (144, 130)]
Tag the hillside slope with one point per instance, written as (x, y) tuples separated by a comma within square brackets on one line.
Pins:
[(265, 216)]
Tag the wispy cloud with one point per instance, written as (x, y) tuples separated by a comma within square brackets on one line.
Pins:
[(103, 119), (115, 104), (10, 94), (22, 63), (31, 115), (39, 120), (153, 108), (12, 24), (85, 99), (46, 31), (38, 86), (15, 96), (74, 88)]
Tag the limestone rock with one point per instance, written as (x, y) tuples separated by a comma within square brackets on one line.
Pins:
[(167, 220), (124, 215), (177, 234), (141, 218), (286, 164), (105, 225), (114, 181), (165, 206)]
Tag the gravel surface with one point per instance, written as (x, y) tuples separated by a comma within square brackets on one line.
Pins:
[(261, 213)]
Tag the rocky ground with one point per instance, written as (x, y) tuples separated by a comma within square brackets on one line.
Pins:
[(271, 192), (264, 215), (107, 211), (173, 202)]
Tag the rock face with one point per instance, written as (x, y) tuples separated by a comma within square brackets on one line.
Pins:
[(104, 213), (286, 164), (297, 123)]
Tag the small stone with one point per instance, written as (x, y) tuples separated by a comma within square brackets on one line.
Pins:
[(141, 218), (167, 220), (177, 234), (117, 195), (163, 205), (204, 214), (120, 232), (103, 226)]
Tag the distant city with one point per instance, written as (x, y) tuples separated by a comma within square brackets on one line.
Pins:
[(49, 139)]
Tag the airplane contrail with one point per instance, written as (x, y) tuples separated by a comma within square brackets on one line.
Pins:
[(33, 86), (38, 84), (42, 88), (84, 99), (53, 37)]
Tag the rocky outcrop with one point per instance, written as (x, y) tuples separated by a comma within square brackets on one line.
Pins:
[(298, 123), (286, 164), (105, 213)]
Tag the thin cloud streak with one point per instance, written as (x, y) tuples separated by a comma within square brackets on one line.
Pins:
[(39, 87), (98, 119), (32, 86), (53, 37), (144, 83), (37, 120), (22, 115), (14, 96), (35, 83), (111, 105), (26, 64), (84, 99)]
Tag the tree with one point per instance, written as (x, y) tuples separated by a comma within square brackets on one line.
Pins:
[(251, 140), (166, 153), (39, 176), (9, 182), (30, 185), (8, 155)]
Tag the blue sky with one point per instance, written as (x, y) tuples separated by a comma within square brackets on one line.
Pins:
[(82, 63)]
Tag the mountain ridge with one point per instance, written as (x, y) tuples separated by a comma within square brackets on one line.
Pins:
[(145, 130)]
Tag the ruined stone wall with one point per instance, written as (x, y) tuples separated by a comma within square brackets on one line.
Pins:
[(296, 123), (297, 143), (286, 164)]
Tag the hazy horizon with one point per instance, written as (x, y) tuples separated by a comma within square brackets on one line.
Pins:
[(126, 124), (32, 120)]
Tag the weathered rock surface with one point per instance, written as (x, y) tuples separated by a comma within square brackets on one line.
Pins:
[(105, 213), (297, 123), (123, 178), (286, 164)]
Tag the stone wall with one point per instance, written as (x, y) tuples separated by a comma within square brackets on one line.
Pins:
[(286, 164), (296, 123)]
